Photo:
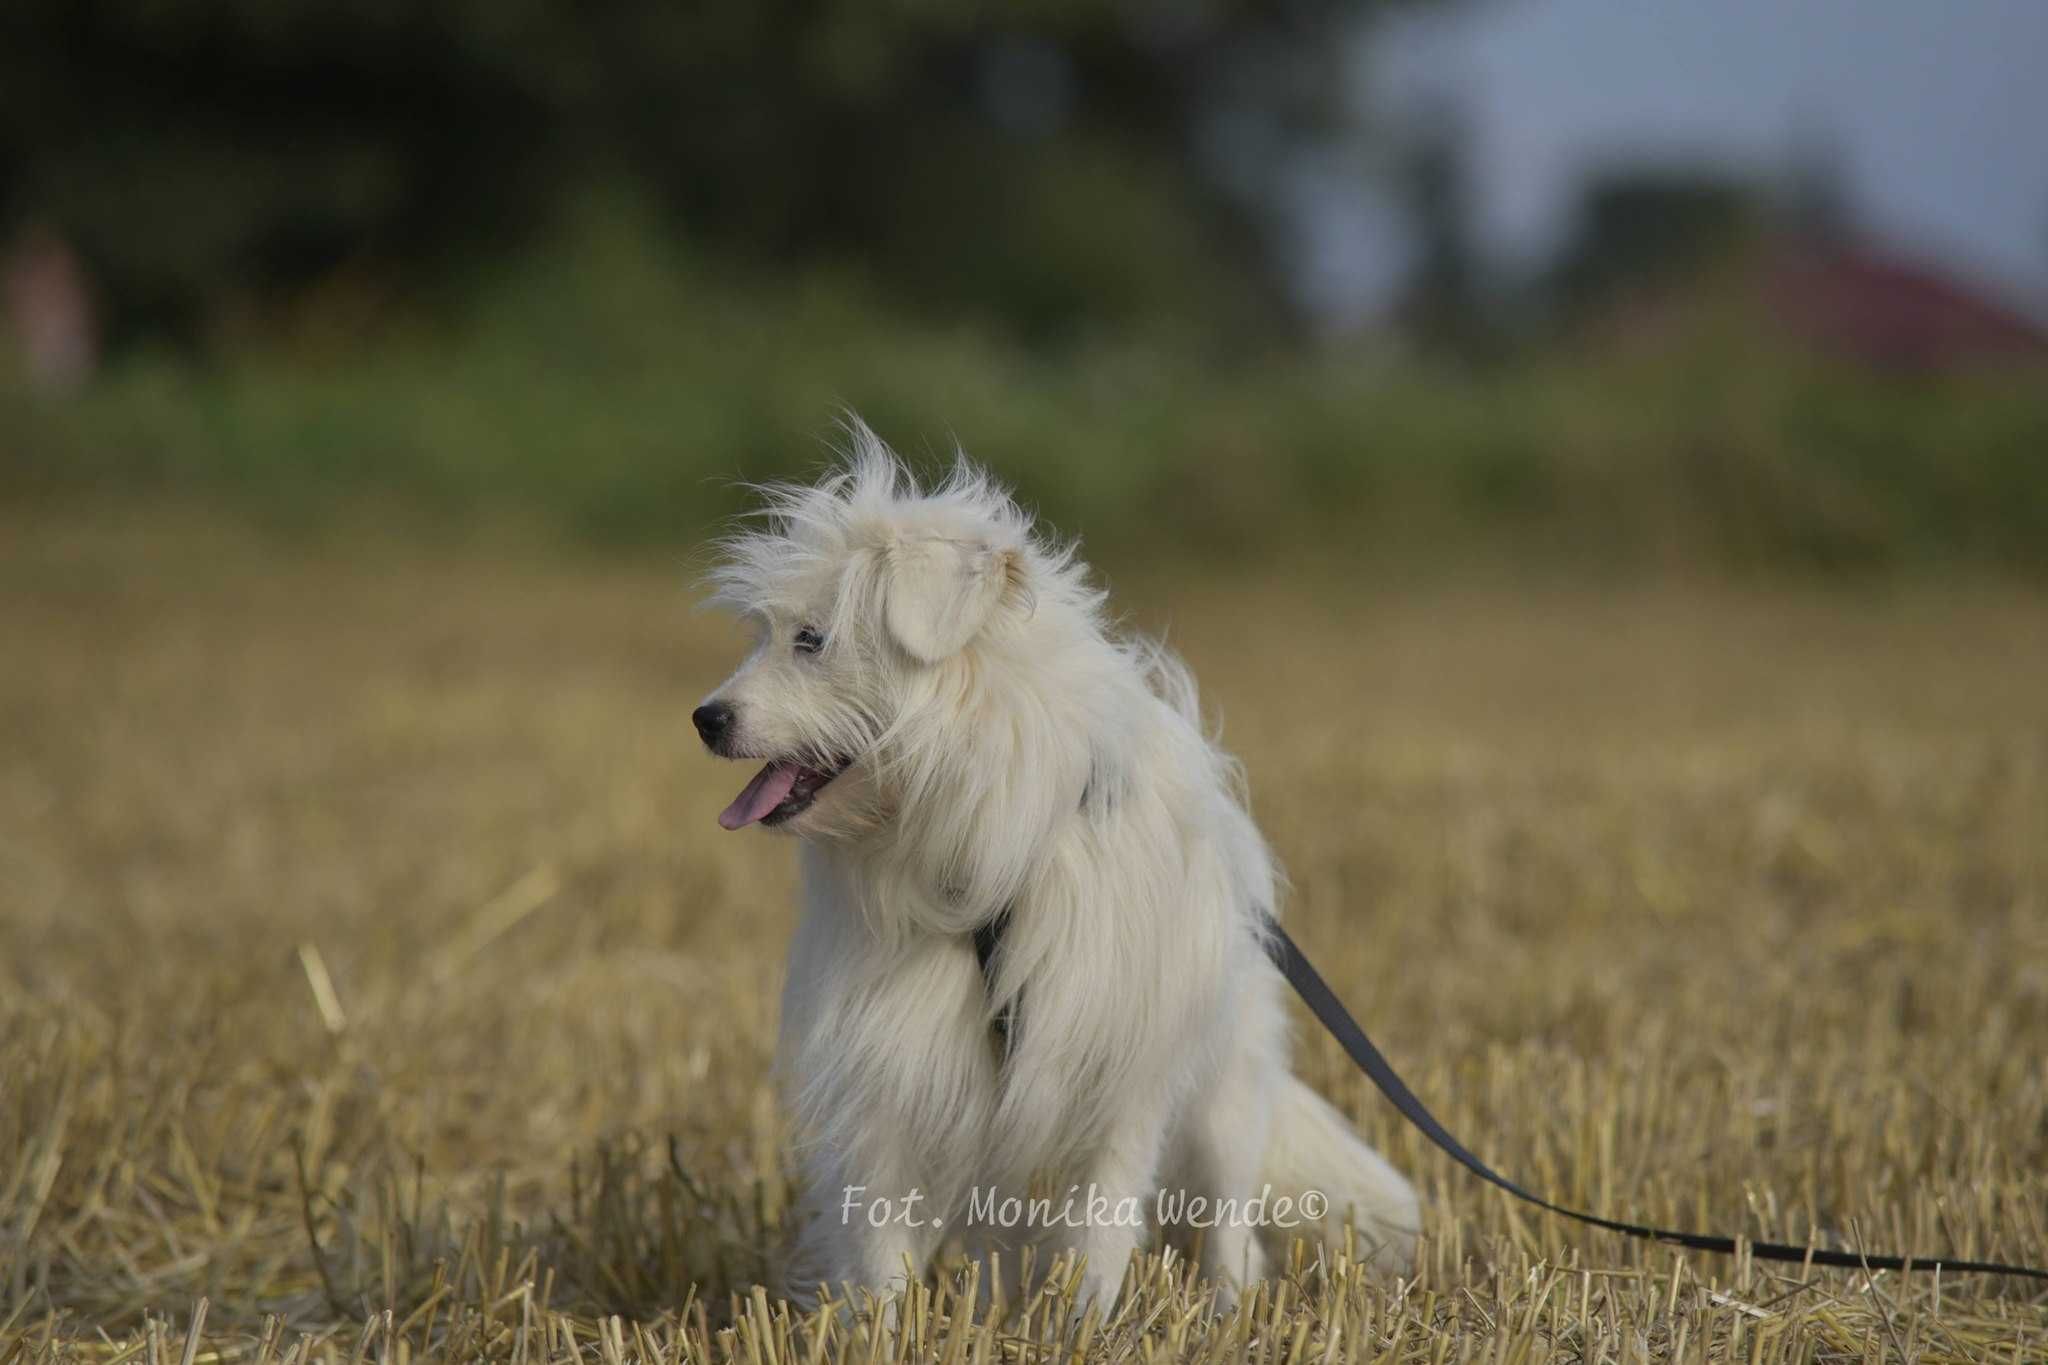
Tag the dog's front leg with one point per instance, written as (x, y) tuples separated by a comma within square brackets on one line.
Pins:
[(875, 1231), (1215, 1172), (1120, 1184)]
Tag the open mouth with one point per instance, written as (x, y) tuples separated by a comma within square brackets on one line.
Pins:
[(781, 791)]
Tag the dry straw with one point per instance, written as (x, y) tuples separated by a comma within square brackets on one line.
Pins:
[(375, 986)]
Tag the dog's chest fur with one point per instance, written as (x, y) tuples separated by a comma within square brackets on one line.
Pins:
[(888, 1043)]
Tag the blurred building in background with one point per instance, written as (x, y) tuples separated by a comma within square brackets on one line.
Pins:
[(1899, 123), (1895, 314)]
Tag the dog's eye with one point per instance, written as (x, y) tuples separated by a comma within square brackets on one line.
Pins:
[(809, 640)]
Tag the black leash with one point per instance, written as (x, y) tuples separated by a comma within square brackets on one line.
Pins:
[(1316, 992)]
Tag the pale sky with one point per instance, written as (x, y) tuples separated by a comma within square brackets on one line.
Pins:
[(1938, 110)]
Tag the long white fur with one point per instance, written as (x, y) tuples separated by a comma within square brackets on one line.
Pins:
[(1014, 756)]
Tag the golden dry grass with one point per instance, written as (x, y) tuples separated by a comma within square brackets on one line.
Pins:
[(373, 974)]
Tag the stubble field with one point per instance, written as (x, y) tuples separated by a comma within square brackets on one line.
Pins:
[(372, 971)]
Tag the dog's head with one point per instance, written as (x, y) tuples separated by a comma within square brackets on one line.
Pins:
[(915, 659)]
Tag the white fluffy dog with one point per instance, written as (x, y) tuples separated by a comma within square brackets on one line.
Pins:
[(1033, 905)]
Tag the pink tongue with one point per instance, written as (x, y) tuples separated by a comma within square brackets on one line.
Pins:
[(768, 790)]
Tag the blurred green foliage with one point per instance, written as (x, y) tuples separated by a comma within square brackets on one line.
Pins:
[(1641, 229), (1039, 164), (592, 265), (616, 387)]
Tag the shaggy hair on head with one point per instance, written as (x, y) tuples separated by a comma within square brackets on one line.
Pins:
[(1034, 900)]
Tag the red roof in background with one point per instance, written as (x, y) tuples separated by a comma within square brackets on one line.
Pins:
[(1892, 313)]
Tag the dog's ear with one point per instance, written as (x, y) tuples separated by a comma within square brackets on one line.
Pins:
[(940, 593)]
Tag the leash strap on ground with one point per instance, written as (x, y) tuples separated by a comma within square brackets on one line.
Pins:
[(1316, 993)]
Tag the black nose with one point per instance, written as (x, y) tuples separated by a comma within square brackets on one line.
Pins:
[(712, 720)]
